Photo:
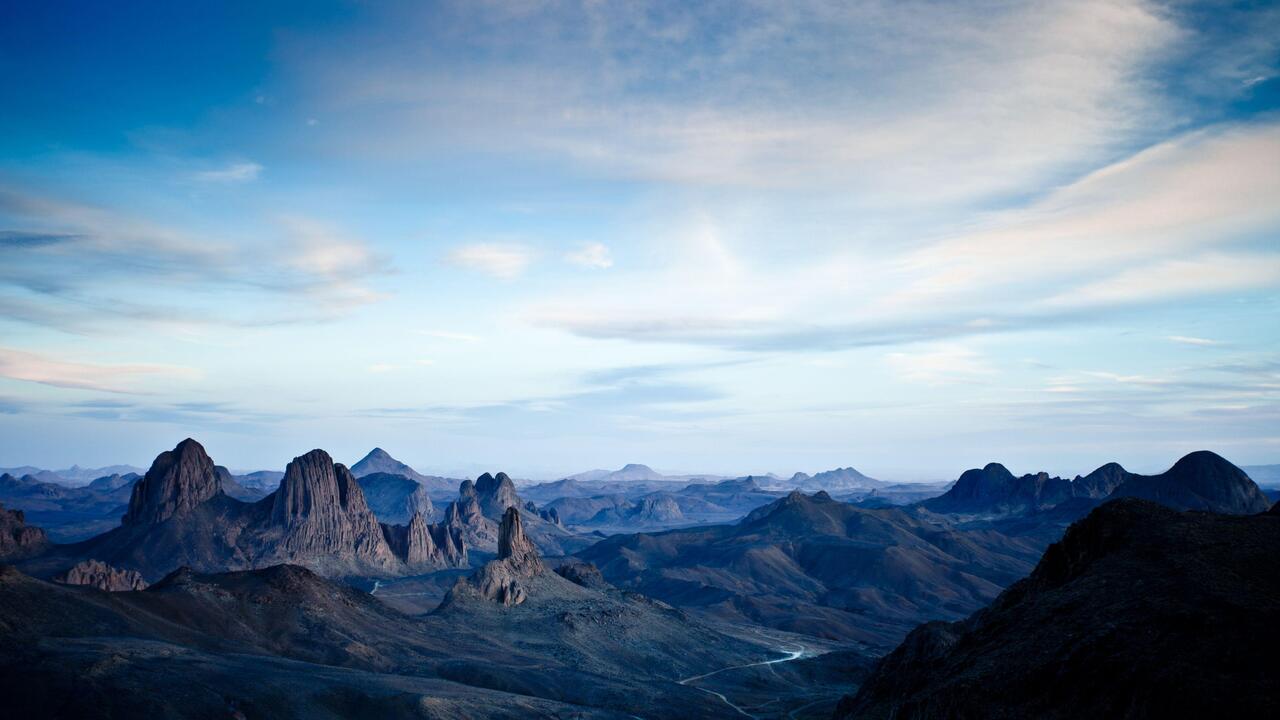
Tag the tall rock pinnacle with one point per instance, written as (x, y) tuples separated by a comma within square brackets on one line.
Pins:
[(323, 513), (178, 481), (514, 545)]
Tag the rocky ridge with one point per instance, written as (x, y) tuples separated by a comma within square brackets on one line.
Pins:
[(96, 573)]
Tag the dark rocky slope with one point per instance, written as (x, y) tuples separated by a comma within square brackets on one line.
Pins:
[(813, 565), (1139, 612)]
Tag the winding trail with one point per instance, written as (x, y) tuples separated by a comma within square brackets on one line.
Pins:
[(790, 655)]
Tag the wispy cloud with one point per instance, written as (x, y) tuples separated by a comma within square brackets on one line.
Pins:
[(34, 367), (1189, 340), (500, 260), (1175, 221), (79, 265), (237, 172), (591, 255)]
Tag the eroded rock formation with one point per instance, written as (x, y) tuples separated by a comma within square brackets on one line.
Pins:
[(96, 573), (17, 539), (179, 480)]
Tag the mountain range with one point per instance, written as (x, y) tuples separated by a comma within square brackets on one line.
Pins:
[(1198, 481), (378, 595)]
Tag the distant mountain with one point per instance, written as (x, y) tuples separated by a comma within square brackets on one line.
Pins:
[(644, 509), (109, 483), (1140, 611), (631, 472), (1199, 481), (379, 461), (74, 476), (69, 513), (178, 514), (267, 480), (834, 481), (396, 498), (810, 564)]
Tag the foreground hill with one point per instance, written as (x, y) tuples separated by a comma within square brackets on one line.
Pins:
[(1140, 611), (515, 640), (280, 642), (810, 564)]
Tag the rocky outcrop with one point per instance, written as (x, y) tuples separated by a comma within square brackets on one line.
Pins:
[(467, 517), (514, 546), (994, 489), (495, 494), (179, 480), (423, 547), (323, 515), (107, 483), (505, 579), (96, 573), (17, 539), (582, 573)]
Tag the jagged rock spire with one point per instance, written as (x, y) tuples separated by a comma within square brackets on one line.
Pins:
[(323, 513), (513, 544), (178, 481)]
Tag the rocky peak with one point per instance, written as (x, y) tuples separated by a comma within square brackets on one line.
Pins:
[(1101, 482), (96, 573), (505, 580), (323, 513), (422, 546), (513, 544), (380, 461), (496, 494), (179, 480), (315, 486)]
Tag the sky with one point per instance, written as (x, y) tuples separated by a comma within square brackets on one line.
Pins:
[(735, 237)]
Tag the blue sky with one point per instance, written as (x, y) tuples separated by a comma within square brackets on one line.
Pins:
[(723, 237)]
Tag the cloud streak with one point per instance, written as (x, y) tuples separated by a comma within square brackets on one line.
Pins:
[(500, 260), (37, 368)]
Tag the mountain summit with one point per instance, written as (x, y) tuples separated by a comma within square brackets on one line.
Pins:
[(178, 481)]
